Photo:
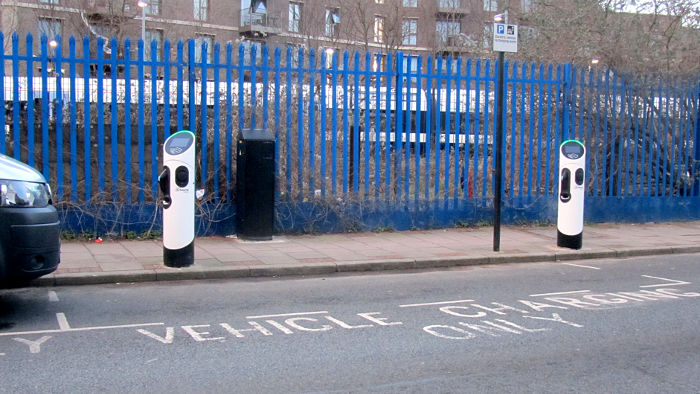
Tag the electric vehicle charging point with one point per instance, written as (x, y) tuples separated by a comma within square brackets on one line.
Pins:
[(177, 187), (572, 167)]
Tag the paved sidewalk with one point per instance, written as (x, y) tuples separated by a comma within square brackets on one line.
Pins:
[(115, 261)]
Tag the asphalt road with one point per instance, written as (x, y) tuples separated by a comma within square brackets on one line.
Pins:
[(624, 326)]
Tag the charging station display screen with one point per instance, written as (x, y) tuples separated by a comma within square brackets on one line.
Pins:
[(178, 144), (572, 150)]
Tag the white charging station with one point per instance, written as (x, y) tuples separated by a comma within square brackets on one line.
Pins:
[(177, 187), (572, 175)]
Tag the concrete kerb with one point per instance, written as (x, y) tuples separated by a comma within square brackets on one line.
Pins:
[(639, 252), (686, 249), (376, 265), (201, 273), (293, 270), (451, 261), (205, 273), (585, 255), (98, 278)]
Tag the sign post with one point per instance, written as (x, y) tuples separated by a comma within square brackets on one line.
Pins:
[(505, 39)]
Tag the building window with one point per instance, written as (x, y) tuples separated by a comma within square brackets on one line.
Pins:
[(106, 31), (248, 51), (379, 29), (203, 39), (49, 28), (409, 31), (201, 10), (294, 17), (491, 5), (526, 5), (332, 21), (410, 3), (254, 14), (410, 66), (449, 4), (157, 36), (446, 29), (153, 7), (49, 1)]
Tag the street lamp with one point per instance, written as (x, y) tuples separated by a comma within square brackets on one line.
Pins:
[(501, 18), (142, 4), (52, 44)]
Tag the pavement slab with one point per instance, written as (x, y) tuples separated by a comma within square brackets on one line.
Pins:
[(122, 260)]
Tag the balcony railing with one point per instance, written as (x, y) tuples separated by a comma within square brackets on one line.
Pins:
[(452, 7), (259, 22)]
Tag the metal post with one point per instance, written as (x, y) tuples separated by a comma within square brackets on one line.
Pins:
[(142, 4), (696, 170), (498, 181), (143, 25)]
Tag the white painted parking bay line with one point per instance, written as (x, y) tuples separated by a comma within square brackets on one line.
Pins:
[(671, 282), (560, 293), (7, 334), (581, 266), (434, 303), (53, 297), (287, 314), (62, 322)]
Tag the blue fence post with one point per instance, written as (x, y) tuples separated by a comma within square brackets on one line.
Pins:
[(566, 103), (217, 95), (398, 118), (127, 119), (16, 97), (203, 124), (2, 92), (59, 119), (44, 107), (696, 173), (191, 81), (73, 121), (87, 132), (100, 118), (180, 85), (154, 119)]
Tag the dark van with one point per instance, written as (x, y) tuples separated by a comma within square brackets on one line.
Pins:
[(29, 226)]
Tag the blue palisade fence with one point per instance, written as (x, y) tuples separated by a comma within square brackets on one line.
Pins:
[(364, 140)]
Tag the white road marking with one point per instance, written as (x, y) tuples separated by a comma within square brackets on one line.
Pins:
[(560, 293), (34, 346), (62, 322), (287, 314), (434, 303), (7, 334), (581, 266), (672, 282), (53, 297)]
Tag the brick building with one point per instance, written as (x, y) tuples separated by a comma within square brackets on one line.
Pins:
[(413, 26)]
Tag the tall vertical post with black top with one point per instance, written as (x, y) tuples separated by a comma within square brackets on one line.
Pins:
[(505, 39)]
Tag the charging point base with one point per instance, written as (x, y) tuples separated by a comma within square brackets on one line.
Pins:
[(179, 258), (569, 241)]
